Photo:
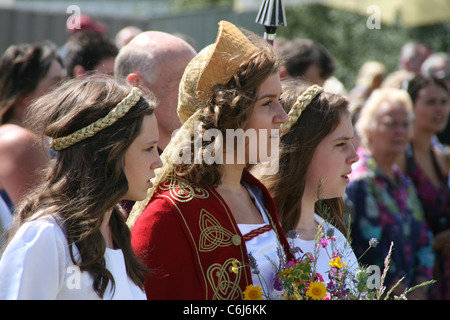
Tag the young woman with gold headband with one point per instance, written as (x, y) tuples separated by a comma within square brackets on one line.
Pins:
[(70, 239), (316, 154), (202, 218)]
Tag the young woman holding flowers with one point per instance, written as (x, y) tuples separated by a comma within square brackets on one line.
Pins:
[(201, 220), (316, 155)]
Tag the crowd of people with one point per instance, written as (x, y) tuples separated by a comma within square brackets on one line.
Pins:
[(103, 196)]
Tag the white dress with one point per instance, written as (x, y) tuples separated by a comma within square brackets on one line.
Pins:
[(263, 247), (37, 265), (324, 254)]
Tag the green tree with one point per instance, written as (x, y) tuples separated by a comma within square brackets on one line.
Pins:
[(351, 42)]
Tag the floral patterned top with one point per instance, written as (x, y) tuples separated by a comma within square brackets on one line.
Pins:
[(389, 212), (436, 204), (435, 200)]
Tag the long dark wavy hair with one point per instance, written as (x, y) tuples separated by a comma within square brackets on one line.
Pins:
[(86, 180), (297, 146)]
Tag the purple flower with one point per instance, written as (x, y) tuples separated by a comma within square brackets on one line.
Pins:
[(330, 232), (291, 234), (277, 283), (253, 264)]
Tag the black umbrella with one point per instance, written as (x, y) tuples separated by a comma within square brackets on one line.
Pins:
[(271, 15)]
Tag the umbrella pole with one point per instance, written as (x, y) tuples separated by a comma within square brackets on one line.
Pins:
[(270, 34), (271, 15)]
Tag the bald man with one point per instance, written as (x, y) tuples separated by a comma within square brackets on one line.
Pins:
[(156, 61)]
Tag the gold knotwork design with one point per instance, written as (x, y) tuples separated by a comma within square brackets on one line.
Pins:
[(212, 234), (224, 282), (182, 190)]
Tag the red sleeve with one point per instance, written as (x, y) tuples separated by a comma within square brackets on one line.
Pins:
[(159, 240)]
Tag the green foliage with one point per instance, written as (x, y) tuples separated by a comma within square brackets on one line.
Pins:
[(351, 42)]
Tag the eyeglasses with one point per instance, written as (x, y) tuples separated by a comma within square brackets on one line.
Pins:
[(442, 75)]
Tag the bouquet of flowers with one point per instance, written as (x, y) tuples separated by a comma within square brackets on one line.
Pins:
[(299, 280)]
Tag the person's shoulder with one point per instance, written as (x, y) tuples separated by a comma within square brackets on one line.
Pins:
[(179, 191), (43, 233), (161, 209), (159, 204), (43, 224), (174, 201), (16, 140), (158, 220), (11, 134)]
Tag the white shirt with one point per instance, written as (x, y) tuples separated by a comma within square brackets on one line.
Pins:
[(263, 247), (37, 265), (324, 255)]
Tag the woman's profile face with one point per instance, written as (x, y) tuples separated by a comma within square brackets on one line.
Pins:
[(332, 161), (266, 119), (141, 160)]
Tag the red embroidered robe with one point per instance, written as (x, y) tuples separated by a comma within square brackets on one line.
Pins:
[(188, 239)]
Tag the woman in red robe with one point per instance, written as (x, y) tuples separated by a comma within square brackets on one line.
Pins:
[(207, 219)]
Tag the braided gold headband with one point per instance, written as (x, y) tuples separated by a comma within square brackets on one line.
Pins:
[(116, 113), (299, 106)]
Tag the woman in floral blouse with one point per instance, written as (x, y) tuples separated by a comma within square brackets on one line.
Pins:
[(384, 200), (428, 165)]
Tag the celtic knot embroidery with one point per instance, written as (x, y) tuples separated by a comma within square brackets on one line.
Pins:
[(182, 190), (212, 234), (224, 282)]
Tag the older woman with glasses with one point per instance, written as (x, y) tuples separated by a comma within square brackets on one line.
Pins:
[(384, 200)]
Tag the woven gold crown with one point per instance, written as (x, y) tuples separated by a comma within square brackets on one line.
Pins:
[(299, 106), (214, 65), (231, 49), (188, 101), (116, 113)]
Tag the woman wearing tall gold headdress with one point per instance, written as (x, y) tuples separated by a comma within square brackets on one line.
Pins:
[(206, 213)]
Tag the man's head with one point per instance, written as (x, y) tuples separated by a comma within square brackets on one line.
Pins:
[(90, 52), (156, 61)]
